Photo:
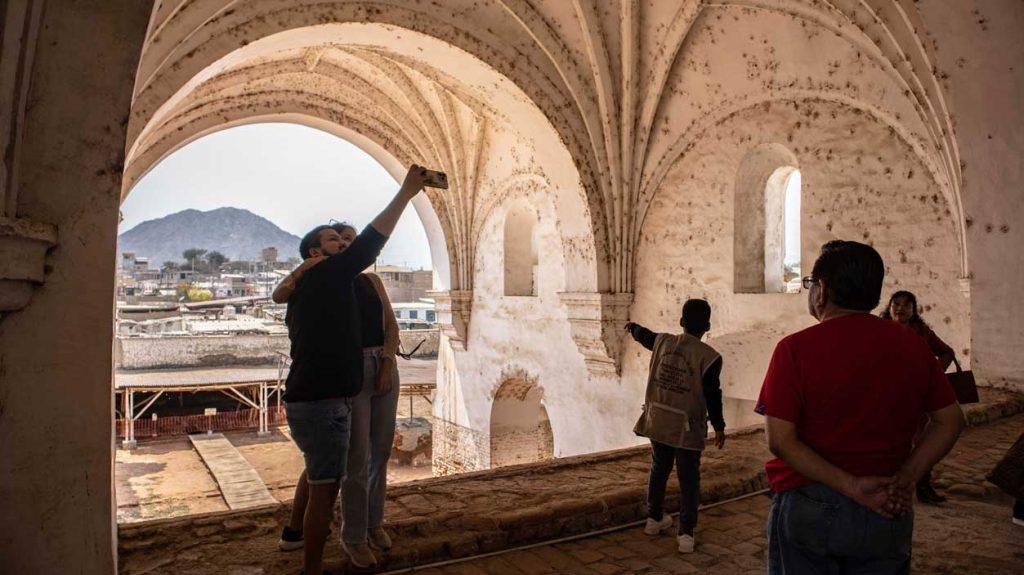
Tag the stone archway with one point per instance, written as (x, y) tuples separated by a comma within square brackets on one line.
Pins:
[(520, 429), (629, 86)]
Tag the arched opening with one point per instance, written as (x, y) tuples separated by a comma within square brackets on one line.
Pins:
[(791, 224), (247, 193), (520, 247), (782, 220), (765, 207), (520, 428)]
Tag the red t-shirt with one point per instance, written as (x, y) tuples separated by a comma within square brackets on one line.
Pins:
[(855, 386)]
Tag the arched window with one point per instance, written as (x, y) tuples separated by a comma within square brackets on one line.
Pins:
[(766, 242), (521, 251)]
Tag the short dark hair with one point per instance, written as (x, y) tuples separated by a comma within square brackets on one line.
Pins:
[(853, 273), (696, 316), (311, 240)]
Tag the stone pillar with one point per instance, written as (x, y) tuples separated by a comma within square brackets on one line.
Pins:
[(66, 75), (454, 309)]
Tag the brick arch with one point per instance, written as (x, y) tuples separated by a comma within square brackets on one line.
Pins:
[(520, 430)]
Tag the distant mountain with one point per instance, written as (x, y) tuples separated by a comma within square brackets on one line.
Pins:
[(236, 233)]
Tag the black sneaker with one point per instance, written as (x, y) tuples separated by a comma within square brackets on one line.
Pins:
[(290, 540)]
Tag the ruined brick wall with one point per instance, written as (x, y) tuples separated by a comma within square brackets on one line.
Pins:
[(228, 350), (199, 351), (458, 449), (516, 446)]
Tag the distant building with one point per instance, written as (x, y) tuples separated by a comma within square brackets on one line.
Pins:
[(404, 284), (269, 255), (132, 265), (415, 315)]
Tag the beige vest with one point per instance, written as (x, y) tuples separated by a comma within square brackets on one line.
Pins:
[(675, 411)]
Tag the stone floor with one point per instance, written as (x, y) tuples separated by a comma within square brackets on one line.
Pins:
[(448, 518), (971, 533)]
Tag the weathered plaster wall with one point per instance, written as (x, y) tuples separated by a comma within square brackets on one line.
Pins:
[(56, 406), (516, 337), (860, 182), (198, 351), (980, 53)]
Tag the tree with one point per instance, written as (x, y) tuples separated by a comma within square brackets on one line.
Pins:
[(182, 289), (170, 266), (216, 259), (191, 255), (199, 294)]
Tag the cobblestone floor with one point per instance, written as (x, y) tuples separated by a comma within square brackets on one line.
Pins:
[(971, 533)]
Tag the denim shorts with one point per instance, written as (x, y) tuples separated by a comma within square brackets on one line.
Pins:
[(321, 429)]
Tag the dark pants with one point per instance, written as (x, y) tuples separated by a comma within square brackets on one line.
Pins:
[(815, 530), (1018, 509), (687, 462)]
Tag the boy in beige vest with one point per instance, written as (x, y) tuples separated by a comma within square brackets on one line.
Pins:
[(683, 393)]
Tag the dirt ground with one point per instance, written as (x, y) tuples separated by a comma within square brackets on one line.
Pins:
[(164, 476)]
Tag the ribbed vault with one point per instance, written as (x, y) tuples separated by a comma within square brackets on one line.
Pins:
[(624, 83)]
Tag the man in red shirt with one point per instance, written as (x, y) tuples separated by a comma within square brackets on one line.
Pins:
[(842, 401)]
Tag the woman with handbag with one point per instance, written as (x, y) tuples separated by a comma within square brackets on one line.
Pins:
[(902, 308)]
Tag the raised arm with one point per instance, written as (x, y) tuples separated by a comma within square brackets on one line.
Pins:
[(367, 246), (386, 220), (284, 290), (642, 335)]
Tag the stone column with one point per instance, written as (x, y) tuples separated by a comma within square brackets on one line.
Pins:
[(66, 81)]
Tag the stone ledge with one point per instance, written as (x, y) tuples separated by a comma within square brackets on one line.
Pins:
[(451, 517)]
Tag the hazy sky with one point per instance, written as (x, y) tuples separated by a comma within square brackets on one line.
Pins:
[(294, 176)]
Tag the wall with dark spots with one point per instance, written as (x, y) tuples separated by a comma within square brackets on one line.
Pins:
[(981, 49), (870, 188)]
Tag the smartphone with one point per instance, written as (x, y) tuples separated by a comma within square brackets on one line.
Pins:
[(435, 179)]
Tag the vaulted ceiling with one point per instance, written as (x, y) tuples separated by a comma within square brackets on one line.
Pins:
[(625, 86)]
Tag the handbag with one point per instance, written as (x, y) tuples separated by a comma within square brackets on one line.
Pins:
[(964, 387), (1008, 474)]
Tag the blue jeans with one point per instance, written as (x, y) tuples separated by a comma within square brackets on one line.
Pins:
[(813, 529), (320, 429), (373, 432), (687, 462)]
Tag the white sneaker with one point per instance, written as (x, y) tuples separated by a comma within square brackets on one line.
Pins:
[(360, 555), (1016, 521), (686, 543), (379, 539), (657, 527)]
